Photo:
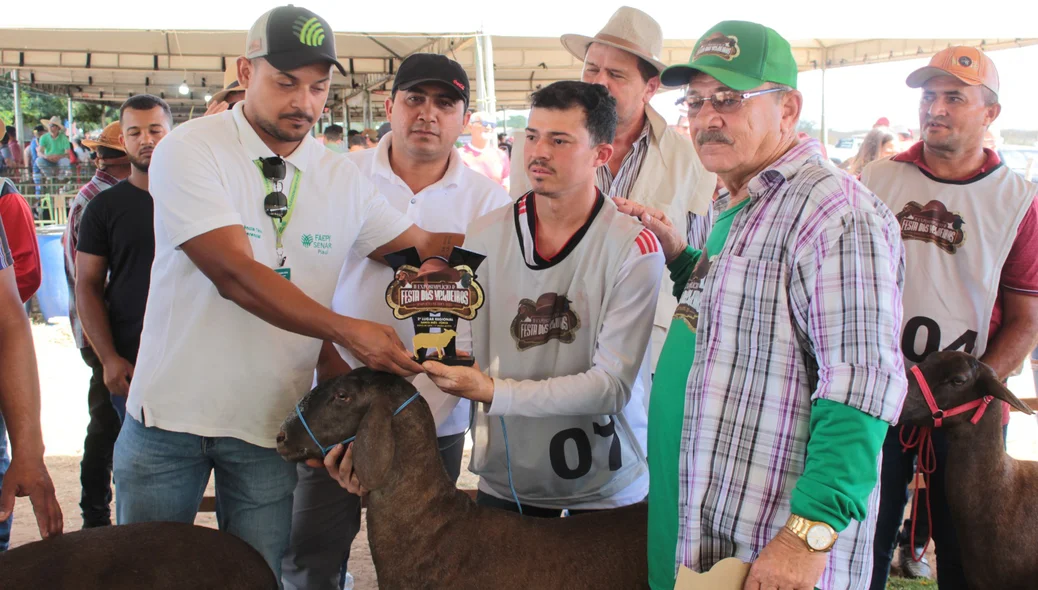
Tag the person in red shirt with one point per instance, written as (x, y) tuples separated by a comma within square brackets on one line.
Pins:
[(21, 236), (970, 230), (482, 154)]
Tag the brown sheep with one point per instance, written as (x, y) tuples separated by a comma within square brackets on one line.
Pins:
[(152, 555), (424, 533), (993, 501)]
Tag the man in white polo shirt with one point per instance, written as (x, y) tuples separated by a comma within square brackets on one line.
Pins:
[(421, 174), (253, 221)]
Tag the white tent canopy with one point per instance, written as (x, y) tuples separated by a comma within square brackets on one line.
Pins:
[(110, 65)]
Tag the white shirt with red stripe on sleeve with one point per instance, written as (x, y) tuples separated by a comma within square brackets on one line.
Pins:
[(566, 340)]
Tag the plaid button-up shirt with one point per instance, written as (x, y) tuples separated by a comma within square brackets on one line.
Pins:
[(803, 303), (100, 182), (620, 185)]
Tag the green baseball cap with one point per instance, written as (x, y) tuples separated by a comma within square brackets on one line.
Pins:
[(739, 54)]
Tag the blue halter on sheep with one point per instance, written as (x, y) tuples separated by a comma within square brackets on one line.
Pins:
[(424, 533)]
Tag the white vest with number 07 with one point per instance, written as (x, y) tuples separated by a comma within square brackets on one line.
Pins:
[(957, 236)]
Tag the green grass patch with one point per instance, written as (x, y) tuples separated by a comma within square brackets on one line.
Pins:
[(903, 584)]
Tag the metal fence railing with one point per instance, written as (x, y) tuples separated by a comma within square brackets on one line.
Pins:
[(50, 192)]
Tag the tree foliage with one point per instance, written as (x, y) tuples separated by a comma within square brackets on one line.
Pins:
[(38, 105)]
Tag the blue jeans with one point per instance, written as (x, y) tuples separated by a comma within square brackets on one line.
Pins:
[(5, 462), (60, 169), (161, 476)]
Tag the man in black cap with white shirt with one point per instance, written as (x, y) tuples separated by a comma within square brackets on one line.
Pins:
[(254, 218), (419, 171)]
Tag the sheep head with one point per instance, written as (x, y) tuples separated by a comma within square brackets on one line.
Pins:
[(360, 403), (955, 378)]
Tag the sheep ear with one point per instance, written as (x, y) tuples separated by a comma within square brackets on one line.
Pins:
[(374, 447), (996, 389)]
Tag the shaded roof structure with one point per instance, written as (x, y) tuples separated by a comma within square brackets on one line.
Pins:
[(107, 66)]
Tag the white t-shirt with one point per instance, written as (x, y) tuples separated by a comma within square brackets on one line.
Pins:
[(449, 205), (567, 343), (206, 366)]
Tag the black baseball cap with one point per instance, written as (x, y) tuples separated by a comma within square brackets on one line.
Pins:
[(420, 68), (291, 37)]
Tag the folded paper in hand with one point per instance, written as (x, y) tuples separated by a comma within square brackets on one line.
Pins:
[(727, 574)]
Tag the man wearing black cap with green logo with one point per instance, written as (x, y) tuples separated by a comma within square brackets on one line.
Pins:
[(781, 368), (254, 218)]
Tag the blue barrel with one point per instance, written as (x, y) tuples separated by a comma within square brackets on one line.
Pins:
[(53, 293)]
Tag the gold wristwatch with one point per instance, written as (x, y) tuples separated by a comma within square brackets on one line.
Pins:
[(818, 536)]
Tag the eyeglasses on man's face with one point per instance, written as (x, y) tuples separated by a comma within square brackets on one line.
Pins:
[(725, 102)]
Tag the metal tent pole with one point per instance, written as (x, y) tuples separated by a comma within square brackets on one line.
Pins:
[(488, 76), (481, 82), (19, 125)]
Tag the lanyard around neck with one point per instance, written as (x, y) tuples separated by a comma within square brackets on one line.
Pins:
[(293, 191)]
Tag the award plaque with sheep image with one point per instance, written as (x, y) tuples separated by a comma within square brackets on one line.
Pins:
[(435, 293)]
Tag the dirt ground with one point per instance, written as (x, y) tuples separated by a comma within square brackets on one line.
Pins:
[(63, 380)]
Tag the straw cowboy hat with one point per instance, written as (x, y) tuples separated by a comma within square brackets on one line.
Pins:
[(3, 130), (55, 120), (109, 138), (230, 84), (630, 30)]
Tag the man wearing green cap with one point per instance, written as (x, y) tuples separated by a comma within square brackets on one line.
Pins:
[(781, 368)]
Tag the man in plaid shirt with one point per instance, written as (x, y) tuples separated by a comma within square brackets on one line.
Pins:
[(793, 310), (95, 473)]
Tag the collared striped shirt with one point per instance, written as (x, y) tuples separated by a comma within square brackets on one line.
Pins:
[(100, 182), (803, 303), (699, 227), (620, 185), (6, 259)]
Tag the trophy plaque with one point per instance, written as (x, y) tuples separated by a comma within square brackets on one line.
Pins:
[(435, 293)]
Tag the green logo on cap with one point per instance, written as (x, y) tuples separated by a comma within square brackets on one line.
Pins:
[(310, 31)]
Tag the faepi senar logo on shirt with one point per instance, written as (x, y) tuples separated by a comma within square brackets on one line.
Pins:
[(254, 232), (320, 242)]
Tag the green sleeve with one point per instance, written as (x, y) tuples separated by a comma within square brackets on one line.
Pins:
[(841, 469), (681, 268)]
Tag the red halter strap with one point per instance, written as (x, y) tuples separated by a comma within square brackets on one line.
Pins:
[(920, 437), (938, 414)]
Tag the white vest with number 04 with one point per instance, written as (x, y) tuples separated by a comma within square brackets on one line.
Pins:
[(957, 236)]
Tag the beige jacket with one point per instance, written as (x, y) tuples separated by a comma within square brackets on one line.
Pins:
[(671, 179)]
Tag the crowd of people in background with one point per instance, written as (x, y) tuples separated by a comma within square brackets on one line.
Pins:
[(694, 281)]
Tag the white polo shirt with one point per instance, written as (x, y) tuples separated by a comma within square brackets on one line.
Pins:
[(206, 366), (449, 205)]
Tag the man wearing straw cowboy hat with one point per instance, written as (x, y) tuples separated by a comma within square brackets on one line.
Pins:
[(53, 149), (651, 164), (95, 470), (231, 94)]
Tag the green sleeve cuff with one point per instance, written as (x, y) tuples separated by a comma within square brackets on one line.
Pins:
[(681, 268), (842, 465)]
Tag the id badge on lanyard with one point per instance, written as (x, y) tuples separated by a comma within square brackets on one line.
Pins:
[(281, 224)]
